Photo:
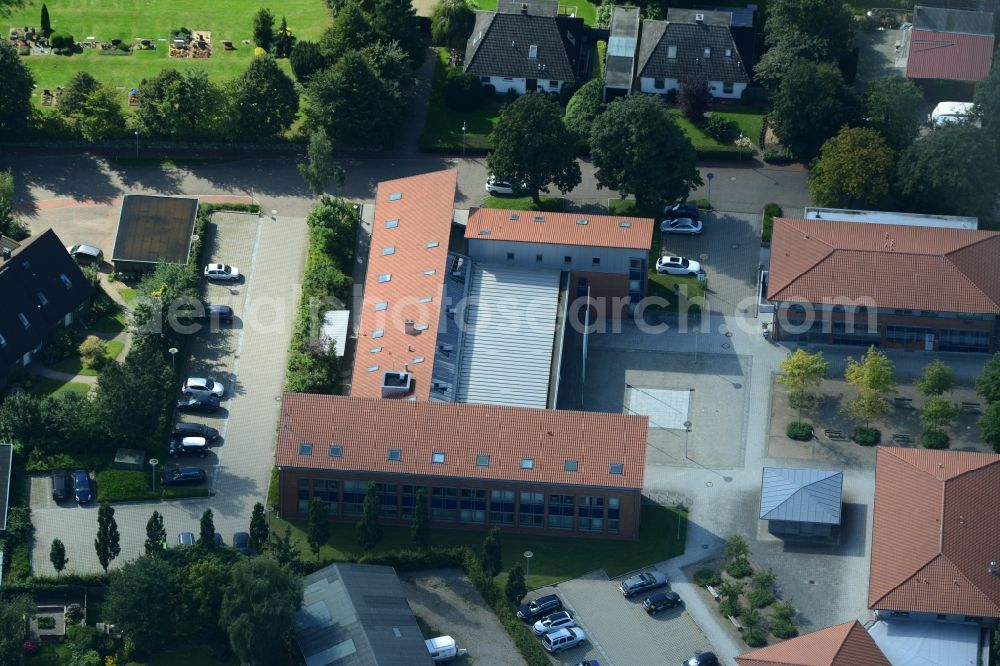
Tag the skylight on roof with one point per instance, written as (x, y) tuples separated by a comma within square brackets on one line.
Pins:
[(386, 251), (539, 218), (336, 450), (430, 271), (378, 333), (527, 463), (305, 449), (391, 224), (395, 196), (432, 244), (381, 305), (484, 232), (582, 222), (419, 359), (421, 327), (437, 457), (615, 469), (372, 368), (571, 465), (375, 350), (426, 299), (482, 460), (533, 51), (515, 217), (625, 224), (395, 455), (385, 277)]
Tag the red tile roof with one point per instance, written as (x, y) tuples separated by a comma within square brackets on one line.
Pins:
[(561, 228), (367, 428), (935, 532), (846, 644), (421, 215), (918, 268), (949, 55)]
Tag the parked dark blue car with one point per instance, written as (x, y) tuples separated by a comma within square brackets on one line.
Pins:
[(81, 486)]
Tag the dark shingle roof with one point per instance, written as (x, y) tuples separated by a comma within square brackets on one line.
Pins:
[(939, 19), (690, 42), (152, 229), (501, 45), (32, 286)]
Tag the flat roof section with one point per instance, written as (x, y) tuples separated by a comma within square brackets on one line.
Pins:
[(925, 643), (620, 65), (887, 217), (510, 323), (404, 288), (583, 229), (155, 229)]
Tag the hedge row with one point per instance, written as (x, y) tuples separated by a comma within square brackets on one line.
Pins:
[(722, 153), (118, 485), (771, 211)]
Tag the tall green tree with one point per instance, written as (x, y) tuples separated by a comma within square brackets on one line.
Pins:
[(950, 171), (802, 372), (206, 531), (259, 529), (894, 108), (15, 615), (828, 20), (872, 377), (20, 419), (140, 601), (319, 525), (131, 398), (257, 609), (584, 106), (791, 48), (515, 588), (263, 29), (156, 535), (203, 586), (351, 30), (10, 226), (180, 106), (76, 91), (108, 541), (264, 100), (396, 21), (57, 556), (492, 555), (45, 22), (282, 548), (811, 105), (936, 378), (986, 101), (853, 169), (451, 23), (369, 529), (627, 145), (988, 383), (100, 116), (306, 59), (284, 40), (320, 167), (420, 530), (693, 97), (989, 425), (531, 145), (937, 414), (17, 84)]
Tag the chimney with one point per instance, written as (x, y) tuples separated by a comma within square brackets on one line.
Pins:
[(6, 254), (410, 327), (699, 18), (524, 8)]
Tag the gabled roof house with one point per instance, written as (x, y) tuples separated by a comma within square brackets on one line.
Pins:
[(845, 644), (950, 44), (526, 46)]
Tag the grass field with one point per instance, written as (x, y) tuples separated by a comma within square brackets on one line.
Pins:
[(443, 129), (748, 120), (44, 386), (130, 19), (74, 365), (582, 8)]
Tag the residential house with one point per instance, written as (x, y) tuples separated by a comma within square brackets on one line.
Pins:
[(619, 66), (845, 644), (670, 52), (802, 504), (153, 230), (938, 288), (43, 290), (949, 44), (741, 22), (526, 46)]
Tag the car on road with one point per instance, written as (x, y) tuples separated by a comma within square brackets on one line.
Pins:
[(563, 639), (681, 226), (540, 607), (241, 542), (188, 447), (659, 601), (679, 266), (185, 539), (702, 659), (61, 483), (647, 580), (183, 476), (86, 254), (496, 185), (195, 403), (550, 623), (212, 313), (203, 386), (222, 272), (182, 430), (81, 486), (681, 209)]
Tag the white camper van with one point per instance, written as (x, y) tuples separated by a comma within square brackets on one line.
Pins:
[(442, 648)]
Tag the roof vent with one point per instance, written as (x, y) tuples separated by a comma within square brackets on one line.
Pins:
[(708, 52), (539, 218), (993, 568), (396, 384), (699, 18), (524, 8), (6, 253)]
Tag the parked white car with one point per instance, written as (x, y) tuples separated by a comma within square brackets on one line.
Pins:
[(496, 186), (563, 639), (554, 622), (200, 386), (222, 272), (678, 266), (442, 648)]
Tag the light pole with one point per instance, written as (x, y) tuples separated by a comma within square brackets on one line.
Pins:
[(173, 355), (710, 176), (154, 462), (527, 563), (274, 215), (696, 331), (463, 138), (136, 144)]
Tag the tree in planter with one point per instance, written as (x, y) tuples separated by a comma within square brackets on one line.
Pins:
[(937, 414), (937, 378), (802, 373), (739, 567), (263, 29), (57, 556), (782, 624), (989, 425), (693, 98), (420, 530), (872, 377), (451, 23), (853, 169), (762, 589), (108, 541), (319, 525), (492, 555), (516, 588), (369, 529), (531, 145), (259, 529), (988, 383), (736, 547), (156, 535)]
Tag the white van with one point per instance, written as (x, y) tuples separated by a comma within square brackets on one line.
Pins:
[(563, 639), (441, 648)]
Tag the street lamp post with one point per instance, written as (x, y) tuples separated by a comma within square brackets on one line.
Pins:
[(154, 462), (527, 562), (463, 139), (173, 355), (136, 144), (710, 176)]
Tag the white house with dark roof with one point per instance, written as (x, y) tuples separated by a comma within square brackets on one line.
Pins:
[(525, 46), (670, 51)]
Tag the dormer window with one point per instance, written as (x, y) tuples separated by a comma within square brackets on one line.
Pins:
[(708, 52), (42, 299), (615, 469), (24, 320), (395, 455), (391, 224), (65, 281)]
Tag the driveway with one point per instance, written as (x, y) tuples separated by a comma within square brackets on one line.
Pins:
[(250, 358)]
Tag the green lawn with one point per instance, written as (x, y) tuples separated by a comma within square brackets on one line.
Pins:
[(45, 386), (749, 121), (551, 204), (74, 365), (128, 19), (555, 558), (119, 485), (443, 130), (110, 323), (662, 286), (129, 295)]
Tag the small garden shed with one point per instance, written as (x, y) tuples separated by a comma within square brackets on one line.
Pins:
[(802, 504)]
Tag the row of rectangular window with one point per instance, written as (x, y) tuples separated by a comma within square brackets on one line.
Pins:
[(567, 259), (468, 505)]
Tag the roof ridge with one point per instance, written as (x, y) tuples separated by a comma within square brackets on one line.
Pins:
[(948, 257), (843, 642), (477, 45), (873, 604), (960, 572)]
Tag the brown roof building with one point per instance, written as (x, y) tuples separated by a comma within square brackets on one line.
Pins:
[(481, 465), (845, 644), (560, 228), (916, 287), (935, 535)]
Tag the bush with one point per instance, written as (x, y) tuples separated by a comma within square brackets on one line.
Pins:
[(771, 211), (415, 560), (777, 156), (489, 91), (705, 577), (799, 430), (729, 607), (46, 622), (117, 485), (866, 436), (61, 40), (62, 344), (463, 92), (93, 351), (754, 637), (721, 129), (759, 597), (783, 628), (739, 568), (935, 439)]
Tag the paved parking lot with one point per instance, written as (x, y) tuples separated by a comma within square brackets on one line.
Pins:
[(619, 632), (249, 358)]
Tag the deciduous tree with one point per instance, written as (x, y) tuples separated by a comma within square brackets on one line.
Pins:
[(584, 106), (257, 609), (988, 383), (140, 601), (872, 377), (57, 556), (369, 529), (628, 145), (259, 529), (263, 29), (181, 106), (829, 20), (854, 169), (351, 31), (811, 105), (802, 373), (282, 548), (204, 583), (131, 398), (989, 425), (938, 413), (420, 530), (264, 100), (156, 535), (451, 23), (320, 167), (516, 588), (306, 59), (108, 541), (284, 40), (15, 615), (76, 90), (531, 145), (396, 21), (17, 83), (319, 525), (936, 379), (893, 107), (100, 116), (791, 48)]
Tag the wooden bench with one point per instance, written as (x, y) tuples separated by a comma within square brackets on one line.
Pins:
[(832, 433), (902, 437), (971, 407), (736, 623)]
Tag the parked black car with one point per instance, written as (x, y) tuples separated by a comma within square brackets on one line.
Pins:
[(188, 447), (241, 542), (683, 209), (61, 484), (182, 430), (183, 476), (195, 403), (534, 610), (211, 314), (702, 659), (81, 486), (661, 600)]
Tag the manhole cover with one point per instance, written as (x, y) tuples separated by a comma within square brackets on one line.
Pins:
[(729, 334), (735, 246), (812, 582), (725, 345), (709, 484), (737, 385)]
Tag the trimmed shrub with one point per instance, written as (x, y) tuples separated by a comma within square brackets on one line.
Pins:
[(46, 622), (799, 430), (759, 597), (705, 577), (866, 436), (62, 345), (463, 92), (730, 606), (771, 211), (61, 40), (415, 560), (93, 351), (783, 628), (754, 637), (777, 156), (721, 129), (935, 439), (739, 568)]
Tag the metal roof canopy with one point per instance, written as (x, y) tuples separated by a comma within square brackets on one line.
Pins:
[(620, 63), (155, 228), (801, 495)]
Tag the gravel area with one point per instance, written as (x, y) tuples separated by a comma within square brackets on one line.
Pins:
[(447, 601)]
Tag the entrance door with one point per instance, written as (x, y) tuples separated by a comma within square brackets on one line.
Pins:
[(928, 342), (26, 360), (531, 85)]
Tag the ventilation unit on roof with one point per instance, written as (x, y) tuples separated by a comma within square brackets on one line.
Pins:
[(440, 387), (395, 384), (699, 18)]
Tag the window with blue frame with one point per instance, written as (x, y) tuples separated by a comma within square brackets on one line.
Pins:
[(303, 495), (408, 501), (472, 506), (354, 496), (591, 514), (614, 511), (444, 504), (502, 507), (326, 490), (532, 509), (561, 511), (388, 495)]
